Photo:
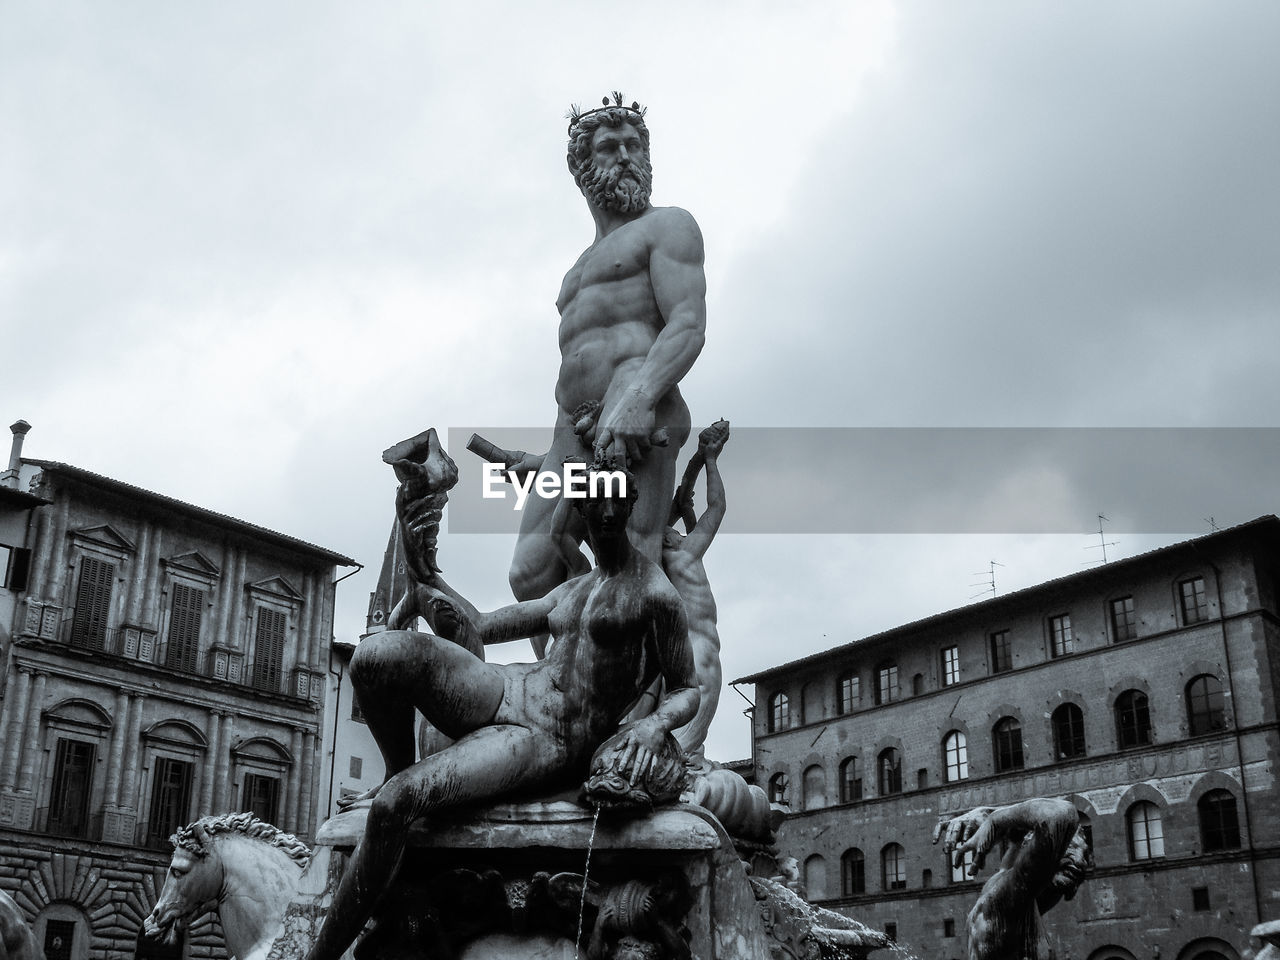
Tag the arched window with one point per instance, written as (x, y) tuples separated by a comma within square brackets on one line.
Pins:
[(778, 789), (1219, 825), (1006, 739), (850, 780), (779, 712), (917, 685), (893, 867), (1205, 712), (886, 683), (813, 788), (1133, 719), (1146, 833), (815, 877), (847, 693), (853, 873), (890, 765), (955, 756), (1068, 732)]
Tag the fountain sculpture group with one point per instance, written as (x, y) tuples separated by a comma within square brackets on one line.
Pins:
[(571, 812)]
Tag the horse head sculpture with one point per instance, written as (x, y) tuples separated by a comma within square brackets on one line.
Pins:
[(245, 869), (16, 939)]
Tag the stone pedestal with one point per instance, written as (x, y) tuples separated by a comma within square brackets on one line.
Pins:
[(506, 881)]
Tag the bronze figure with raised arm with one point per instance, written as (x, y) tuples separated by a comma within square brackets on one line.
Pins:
[(682, 563), (519, 727), (1044, 856), (632, 321)]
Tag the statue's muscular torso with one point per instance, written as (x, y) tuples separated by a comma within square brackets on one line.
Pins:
[(609, 317)]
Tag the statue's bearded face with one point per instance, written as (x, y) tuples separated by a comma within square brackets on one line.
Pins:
[(617, 175)]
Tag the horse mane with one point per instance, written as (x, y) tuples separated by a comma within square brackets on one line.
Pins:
[(193, 837)]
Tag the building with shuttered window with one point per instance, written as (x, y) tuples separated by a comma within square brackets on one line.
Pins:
[(159, 662), (1143, 690)]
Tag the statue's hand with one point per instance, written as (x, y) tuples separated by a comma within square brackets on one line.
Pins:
[(627, 431), (640, 748), (954, 831), (712, 440), (978, 844), (526, 464)]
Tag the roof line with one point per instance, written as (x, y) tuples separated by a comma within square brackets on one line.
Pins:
[(212, 516), (1269, 519)]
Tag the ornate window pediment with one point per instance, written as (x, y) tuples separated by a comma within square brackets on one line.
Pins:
[(263, 749), (195, 565), (176, 732), (277, 589), (105, 537), (77, 712)]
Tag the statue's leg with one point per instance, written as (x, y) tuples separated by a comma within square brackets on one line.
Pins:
[(538, 565), (394, 671), (484, 764), (656, 478), (706, 660)]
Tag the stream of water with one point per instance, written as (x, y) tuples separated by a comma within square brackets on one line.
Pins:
[(582, 904)]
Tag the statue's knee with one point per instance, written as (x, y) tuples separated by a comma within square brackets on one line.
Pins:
[(373, 656), (393, 805)]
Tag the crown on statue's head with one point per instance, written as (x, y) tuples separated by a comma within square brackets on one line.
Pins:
[(576, 114)]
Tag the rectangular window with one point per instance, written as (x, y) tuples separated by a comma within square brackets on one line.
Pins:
[(356, 768), (59, 939), (950, 666), (1061, 641), (891, 929), (1124, 622), (887, 683), (1200, 898), (1001, 652), (848, 694), (170, 799), (261, 796), (1195, 609), (72, 783), (268, 649), (184, 627), (15, 565), (93, 603), (949, 927), (356, 713), (961, 873)]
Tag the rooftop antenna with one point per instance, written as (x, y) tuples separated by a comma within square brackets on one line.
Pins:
[(1102, 543), (1213, 527), (988, 581)]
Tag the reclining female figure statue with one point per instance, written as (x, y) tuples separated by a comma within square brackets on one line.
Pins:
[(518, 727)]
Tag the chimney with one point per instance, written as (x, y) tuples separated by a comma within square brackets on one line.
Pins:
[(10, 477)]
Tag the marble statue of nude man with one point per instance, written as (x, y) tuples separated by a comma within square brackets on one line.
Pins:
[(1043, 859), (519, 727), (632, 321)]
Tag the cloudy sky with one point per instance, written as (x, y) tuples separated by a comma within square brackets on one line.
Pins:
[(245, 246)]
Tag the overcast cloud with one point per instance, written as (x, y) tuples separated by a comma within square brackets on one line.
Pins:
[(244, 247)]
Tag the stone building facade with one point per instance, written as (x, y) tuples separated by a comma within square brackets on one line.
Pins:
[(1144, 691), (160, 662)]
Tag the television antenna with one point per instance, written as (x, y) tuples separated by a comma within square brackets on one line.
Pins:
[(1102, 543), (988, 581)]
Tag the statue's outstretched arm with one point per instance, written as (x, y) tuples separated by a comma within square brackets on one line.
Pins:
[(1039, 829), (699, 539)]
